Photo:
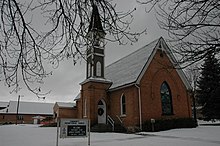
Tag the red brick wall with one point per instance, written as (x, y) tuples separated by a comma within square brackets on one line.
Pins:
[(67, 113), (64, 112), (160, 70), (132, 110), (92, 92)]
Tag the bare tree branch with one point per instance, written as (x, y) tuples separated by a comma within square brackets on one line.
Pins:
[(24, 49), (193, 26)]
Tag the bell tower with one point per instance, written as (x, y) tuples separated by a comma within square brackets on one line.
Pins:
[(95, 50), (93, 102)]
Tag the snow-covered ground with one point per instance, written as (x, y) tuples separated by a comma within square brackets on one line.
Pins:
[(32, 135)]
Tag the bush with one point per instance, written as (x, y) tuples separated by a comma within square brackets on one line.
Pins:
[(166, 124)]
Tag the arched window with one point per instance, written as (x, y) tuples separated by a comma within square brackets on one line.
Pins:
[(123, 105), (85, 108), (98, 69), (89, 70), (166, 99)]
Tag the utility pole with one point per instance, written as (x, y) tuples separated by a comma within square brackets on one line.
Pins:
[(17, 109), (18, 103)]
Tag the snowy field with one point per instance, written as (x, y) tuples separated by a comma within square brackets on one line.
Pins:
[(32, 135)]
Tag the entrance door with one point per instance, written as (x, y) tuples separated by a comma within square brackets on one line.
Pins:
[(101, 112)]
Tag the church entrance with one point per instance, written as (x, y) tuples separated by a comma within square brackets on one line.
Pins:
[(101, 112)]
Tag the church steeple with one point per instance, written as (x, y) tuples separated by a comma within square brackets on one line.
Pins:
[(95, 50), (95, 22)]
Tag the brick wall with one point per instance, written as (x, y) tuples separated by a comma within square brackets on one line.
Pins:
[(26, 118), (132, 109), (91, 93)]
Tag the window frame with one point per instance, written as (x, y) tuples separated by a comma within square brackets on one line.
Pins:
[(123, 105), (98, 69), (168, 103), (89, 70)]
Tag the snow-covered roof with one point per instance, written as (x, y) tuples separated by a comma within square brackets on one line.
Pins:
[(29, 108), (131, 68), (127, 69), (77, 97), (3, 106), (66, 104)]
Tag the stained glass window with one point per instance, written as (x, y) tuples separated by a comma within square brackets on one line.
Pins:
[(166, 99)]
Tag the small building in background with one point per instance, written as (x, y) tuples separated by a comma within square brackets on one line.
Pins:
[(64, 110), (25, 112)]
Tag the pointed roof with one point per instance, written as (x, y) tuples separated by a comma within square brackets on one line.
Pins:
[(130, 69), (95, 22)]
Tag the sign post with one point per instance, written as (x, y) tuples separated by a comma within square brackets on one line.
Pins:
[(58, 125), (74, 128)]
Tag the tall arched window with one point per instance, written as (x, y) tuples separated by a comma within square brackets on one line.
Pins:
[(85, 108), (123, 105), (89, 70), (166, 99), (98, 69)]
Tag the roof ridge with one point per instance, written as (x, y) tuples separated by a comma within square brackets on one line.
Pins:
[(156, 40), (31, 102)]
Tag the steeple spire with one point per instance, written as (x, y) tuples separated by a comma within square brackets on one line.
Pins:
[(95, 50), (95, 22)]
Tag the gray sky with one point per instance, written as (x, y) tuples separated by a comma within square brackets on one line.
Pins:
[(64, 83)]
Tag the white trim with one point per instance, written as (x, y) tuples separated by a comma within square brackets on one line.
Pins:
[(146, 66), (97, 54), (85, 108), (174, 61), (140, 107), (99, 80), (89, 70)]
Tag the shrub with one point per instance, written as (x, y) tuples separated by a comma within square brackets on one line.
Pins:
[(166, 124)]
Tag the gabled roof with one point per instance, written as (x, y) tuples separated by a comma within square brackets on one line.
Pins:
[(30, 108), (130, 69)]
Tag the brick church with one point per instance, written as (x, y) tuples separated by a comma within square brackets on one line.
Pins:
[(137, 88)]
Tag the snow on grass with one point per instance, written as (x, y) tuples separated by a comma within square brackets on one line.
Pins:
[(32, 135)]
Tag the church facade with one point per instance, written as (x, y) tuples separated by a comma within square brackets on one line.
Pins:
[(142, 86)]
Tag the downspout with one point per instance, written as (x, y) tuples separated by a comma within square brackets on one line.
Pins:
[(139, 102)]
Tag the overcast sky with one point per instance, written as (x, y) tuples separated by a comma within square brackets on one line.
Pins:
[(64, 83)]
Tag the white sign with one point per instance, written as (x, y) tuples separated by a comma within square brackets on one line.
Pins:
[(71, 128)]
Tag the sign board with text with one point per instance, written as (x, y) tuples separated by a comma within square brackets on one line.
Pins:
[(72, 128)]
